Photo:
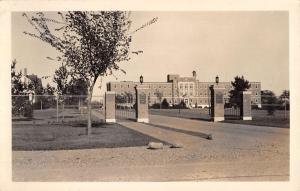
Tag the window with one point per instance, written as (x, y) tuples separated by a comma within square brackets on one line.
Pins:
[(256, 101), (256, 93), (128, 85)]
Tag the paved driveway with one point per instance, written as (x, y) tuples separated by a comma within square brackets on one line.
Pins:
[(236, 153)]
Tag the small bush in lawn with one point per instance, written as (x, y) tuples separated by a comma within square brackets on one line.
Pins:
[(270, 109), (165, 104), (28, 110), (181, 105), (155, 106)]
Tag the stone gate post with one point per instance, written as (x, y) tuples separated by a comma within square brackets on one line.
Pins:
[(246, 105), (110, 107), (142, 103), (217, 103)]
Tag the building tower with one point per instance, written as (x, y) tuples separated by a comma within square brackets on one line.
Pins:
[(194, 74)]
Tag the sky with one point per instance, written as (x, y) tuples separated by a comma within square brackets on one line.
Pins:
[(227, 44)]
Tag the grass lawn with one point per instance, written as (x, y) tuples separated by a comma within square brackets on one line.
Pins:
[(263, 121), (259, 117), (72, 136), (43, 133)]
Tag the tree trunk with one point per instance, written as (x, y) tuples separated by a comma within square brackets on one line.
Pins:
[(89, 114)]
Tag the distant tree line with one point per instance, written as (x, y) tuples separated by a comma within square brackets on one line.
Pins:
[(269, 101)]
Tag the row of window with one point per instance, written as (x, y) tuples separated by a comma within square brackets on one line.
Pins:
[(200, 101), (150, 86), (181, 86)]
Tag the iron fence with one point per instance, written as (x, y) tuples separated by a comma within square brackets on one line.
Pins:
[(55, 109), (125, 107), (232, 113)]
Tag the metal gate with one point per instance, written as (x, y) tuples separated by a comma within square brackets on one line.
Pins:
[(125, 107), (232, 113)]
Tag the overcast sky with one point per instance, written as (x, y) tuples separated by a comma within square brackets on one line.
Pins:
[(253, 44)]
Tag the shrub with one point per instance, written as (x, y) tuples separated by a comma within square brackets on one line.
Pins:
[(165, 104), (155, 106), (181, 105), (228, 105), (270, 109), (18, 104), (28, 110)]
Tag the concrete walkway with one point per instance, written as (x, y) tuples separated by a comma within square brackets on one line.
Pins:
[(225, 134), (165, 135), (191, 133)]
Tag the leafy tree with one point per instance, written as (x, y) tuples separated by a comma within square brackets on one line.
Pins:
[(49, 90), (285, 95), (239, 84), (284, 99), (165, 104), (35, 84), (91, 43), (268, 100), (159, 96), (48, 100), (77, 87), (17, 86), (61, 77)]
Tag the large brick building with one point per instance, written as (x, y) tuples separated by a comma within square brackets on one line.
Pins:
[(188, 89)]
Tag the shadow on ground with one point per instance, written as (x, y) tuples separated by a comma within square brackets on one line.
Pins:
[(193, 133)]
